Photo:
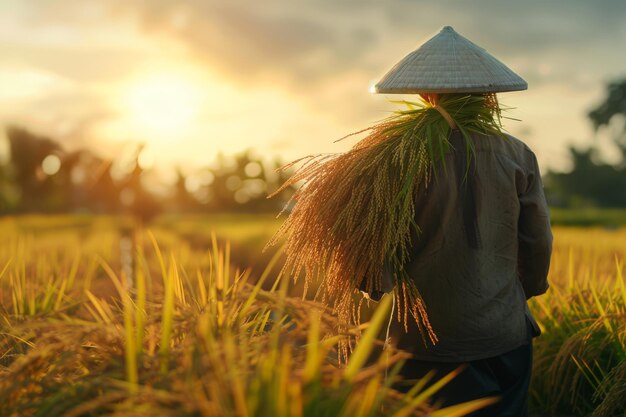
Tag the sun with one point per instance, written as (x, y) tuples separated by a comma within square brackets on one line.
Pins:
[(164, 105)]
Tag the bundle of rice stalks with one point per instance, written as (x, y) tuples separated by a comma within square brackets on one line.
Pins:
[(353, 218)]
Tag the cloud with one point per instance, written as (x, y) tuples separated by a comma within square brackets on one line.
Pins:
[(312, 40), (257, 45), (298, 44), (78, 63), (302, 44), (318, 55)]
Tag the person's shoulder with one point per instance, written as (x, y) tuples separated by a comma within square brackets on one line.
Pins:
[(508, 145), (519, 144)]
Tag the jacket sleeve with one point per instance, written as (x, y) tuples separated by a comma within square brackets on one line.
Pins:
[(534, 234)]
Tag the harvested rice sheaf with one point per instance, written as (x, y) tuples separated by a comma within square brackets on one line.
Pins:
[(353, 215)]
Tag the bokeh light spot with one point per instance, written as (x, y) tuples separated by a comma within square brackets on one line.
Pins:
[(253, 169), (51, 165)]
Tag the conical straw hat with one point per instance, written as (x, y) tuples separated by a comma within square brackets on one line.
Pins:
[(450, 63)]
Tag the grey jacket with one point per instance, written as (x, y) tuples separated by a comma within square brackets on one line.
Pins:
[(476, 270)]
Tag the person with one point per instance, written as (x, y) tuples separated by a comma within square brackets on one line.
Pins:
[(439, 207), (484, 243)]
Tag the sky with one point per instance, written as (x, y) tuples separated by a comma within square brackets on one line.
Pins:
[(285, 78)]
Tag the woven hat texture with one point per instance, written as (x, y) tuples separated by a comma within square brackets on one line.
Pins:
[(450, 63)]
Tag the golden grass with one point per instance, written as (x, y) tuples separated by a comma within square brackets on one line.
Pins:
[(580, 359), (89, 347), (186, 335)]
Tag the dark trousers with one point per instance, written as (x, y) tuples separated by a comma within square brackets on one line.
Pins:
[(506, 376)]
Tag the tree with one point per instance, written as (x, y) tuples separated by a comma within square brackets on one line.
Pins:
[(613, 107), (592, 182), (28, 151)]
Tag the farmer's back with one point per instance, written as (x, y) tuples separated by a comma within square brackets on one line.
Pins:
[(475, 282)]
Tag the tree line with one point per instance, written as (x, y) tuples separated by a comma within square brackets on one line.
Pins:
[(593, 182), (41, 176)]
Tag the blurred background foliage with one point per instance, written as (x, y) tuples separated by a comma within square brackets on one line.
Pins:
[(593, 182), (40, 176)]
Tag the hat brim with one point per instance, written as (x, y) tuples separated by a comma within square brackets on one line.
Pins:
[(417, 90), (449, 63)]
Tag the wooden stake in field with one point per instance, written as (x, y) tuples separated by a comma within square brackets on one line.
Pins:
[(352, 224)]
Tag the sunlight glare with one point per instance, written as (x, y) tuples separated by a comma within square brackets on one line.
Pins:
[(164, 105)]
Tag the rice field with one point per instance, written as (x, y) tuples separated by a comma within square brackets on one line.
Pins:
[(98, 318)]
